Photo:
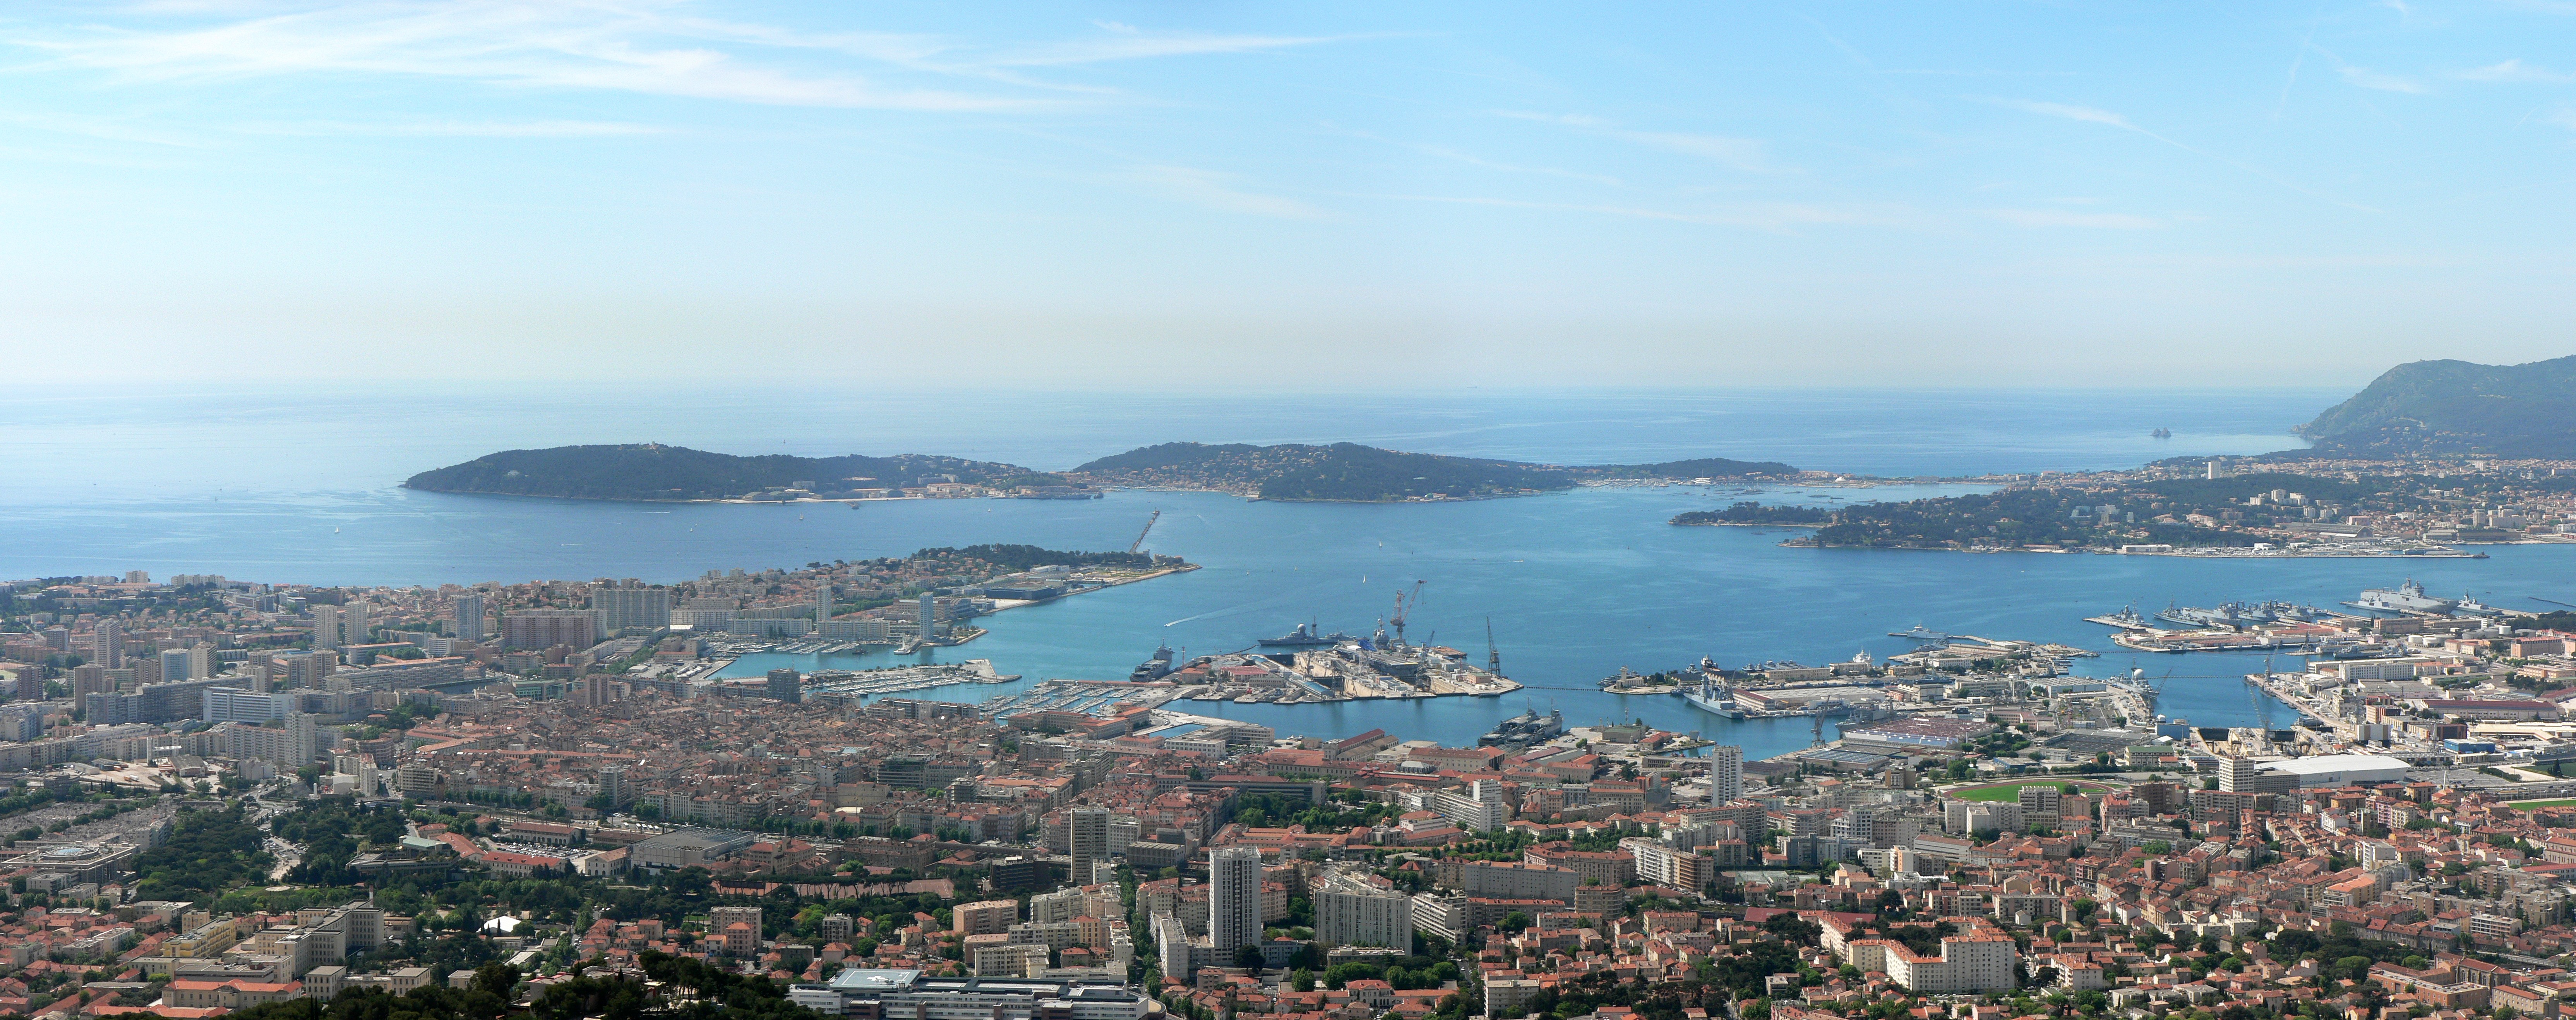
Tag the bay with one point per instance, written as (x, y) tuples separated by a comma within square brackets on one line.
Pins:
[(1580, 584), (301, 486)]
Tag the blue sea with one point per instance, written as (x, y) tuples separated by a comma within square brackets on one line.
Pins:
[(302, 487)]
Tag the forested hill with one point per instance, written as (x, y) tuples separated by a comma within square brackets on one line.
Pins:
[(1354, 473), (2456, 407), (652, 471)]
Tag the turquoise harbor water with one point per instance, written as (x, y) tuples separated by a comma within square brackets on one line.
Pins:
[(302, 488)]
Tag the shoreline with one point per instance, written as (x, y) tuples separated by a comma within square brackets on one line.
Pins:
[(2229, 552)]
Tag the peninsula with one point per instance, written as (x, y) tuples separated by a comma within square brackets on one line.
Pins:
[(2432, 455)]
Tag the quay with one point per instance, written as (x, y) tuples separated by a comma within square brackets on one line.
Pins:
[(851, 686)]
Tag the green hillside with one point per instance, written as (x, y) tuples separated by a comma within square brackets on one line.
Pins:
[(1346, 472), (1355, 473), (2456, 407), (652, 471)]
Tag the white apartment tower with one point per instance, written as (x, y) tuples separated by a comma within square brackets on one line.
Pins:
[(1725, 773), (1234, 900), (326, 627), (467, 624)]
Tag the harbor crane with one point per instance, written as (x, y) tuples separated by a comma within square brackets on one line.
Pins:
[(1404, 605), (1139, 543), (1493, 652)]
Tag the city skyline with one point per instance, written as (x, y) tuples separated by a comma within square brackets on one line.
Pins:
[(1032, 196)]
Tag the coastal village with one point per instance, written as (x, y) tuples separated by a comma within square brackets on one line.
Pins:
[(233, 794)]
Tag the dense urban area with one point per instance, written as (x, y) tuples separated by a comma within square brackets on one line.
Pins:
[(2315, 507), (255, 798)]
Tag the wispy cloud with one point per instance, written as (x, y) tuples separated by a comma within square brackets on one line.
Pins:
[(1216, 191), (2083, 113), (2063, 218), (652, 47), (2093, 115), (1548, 171), (1776, 217), (1746, 154), (2516, 71), (1127, 42), (456, 129), (2364, 77), (104, 129)]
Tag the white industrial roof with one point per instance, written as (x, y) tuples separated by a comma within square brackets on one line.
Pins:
[(2324, 763)]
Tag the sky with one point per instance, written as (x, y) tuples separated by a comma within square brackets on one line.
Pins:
[(1282, 197)]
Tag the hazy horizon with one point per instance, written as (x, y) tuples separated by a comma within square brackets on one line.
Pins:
[(1313, 197)]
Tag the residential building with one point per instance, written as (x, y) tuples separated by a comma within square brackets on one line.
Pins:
[(1725, 773), (1234, 898), (624, 608), (1088, 829), (1362, 910)]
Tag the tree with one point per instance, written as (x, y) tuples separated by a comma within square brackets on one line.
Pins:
[(1515, 922), (499, 979), (1248, 958), (1789, 927)]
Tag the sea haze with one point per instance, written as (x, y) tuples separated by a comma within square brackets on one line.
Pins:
[(159, 446)]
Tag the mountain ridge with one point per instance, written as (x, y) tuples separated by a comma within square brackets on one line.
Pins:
[(2450, 407)]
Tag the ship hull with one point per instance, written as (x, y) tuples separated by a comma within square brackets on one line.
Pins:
[(1705, 703)]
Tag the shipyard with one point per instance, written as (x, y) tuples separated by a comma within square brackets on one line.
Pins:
[(2289, 627)]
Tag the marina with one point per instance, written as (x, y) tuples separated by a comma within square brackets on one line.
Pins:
[(858, 685)]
